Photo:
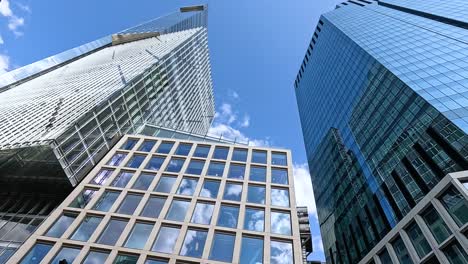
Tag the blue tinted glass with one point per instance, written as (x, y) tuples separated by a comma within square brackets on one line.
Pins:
[(228, 216), (83, 198), (166, 239), (236, 171), (106, 201), (278, 158), (129, 144), (401, 251), (210, 189), (153, 207), (194, 243), (112, 232), (165, 147), (239, 155), (232, 191), (66, 253), (139, 235), (36, 253), (202, 213), (122, 179), (116, 159), (152, 261), (187, 186), (147, 145), (257, 174), (259, 156), (61, 225), (280, 223), (129, 204), (178, 210), (135, 161), (279, 176), (183, 149), (254, 219), (281, 252), (155, 163), (201, 151), (220, 153), (101, 177), (175, 165), (216, 169), (279, 197), (195, 167), (96, 257), (126, 259), (251, 250), (256, 194), (143, 182), (222, 247), (86, 228), (165, 184)]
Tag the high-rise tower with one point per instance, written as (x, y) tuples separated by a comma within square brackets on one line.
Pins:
[(383, 99)]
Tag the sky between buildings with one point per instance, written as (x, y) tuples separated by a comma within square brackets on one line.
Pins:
[(256, 48)]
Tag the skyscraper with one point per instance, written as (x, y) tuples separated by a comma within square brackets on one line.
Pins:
[(61, 115), (382, 94)]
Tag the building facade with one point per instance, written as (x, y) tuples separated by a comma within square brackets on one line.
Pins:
[(165, 200), (382, 97)]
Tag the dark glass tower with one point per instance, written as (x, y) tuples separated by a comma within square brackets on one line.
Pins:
[(383, 100)]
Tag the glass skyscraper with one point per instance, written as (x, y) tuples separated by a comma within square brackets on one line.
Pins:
[(382, 94)]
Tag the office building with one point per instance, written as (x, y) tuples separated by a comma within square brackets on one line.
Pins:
[(382, 94)]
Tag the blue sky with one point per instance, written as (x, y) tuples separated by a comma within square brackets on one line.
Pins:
[(256, 48)]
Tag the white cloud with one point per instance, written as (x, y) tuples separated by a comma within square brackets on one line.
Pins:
[(245, 121), (24, 7), (303, 188), (4, 63), (233, 94), (13, 21), (5, 9), (1, 40), (317, 244)]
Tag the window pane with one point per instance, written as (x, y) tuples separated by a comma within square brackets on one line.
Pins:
[(216, 169), (165, 184), (152, 261), (401, 251), (129, 204), (83, 198), (194, 243), (201, 151), (239, 155), (143, 182), (66, 253), (279, 176), (86, 228), (202, 213), (129, 144), (165, 147), (259, 156), (281, 252), (254, 219), (96, 257), (222, 247), (256, 194), (437, 226), (178, 210), (280, 223), (116, 159), (101, 177), (153, 207), (228, 216), (455, 253), (252, 250), (61, 225), (36, 253), (187, 186), (257, 174), (233, 191), (195, 167), (106, 201), (183, 149), (456, 205), (112, 232), (122, 179), (147, 145), (220, 153), (280, 197), (139, 235), (175, 165), (155, 163), (210, 189), (418, 240), (135, 161), (126, 259), (166, 239), (278, 158), (236, 171)]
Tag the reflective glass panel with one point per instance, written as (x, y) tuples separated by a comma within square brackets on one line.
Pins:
[(175, 165), (455, 253), (155, 163), (126, 259), (210, 189), (187, 186), (183, 149), (153, 207), (418, 240), (194, 243), (259, 156), (139, 235), (256, 194), (257, 174), (178, 210), (66, 253), (129, 144), (153, 261), (96, 257), (281, 252), (165, 147), (147, 145), (280, 197), (281, 223), (201, 151), (222, 247), (166, 239), (36, 253), (228, 216), (116, 159), (239, 155), (401, 251), (86, 228), (112, 232), (437, 226), (83, 198), (106, 201), (236, 171), (456, 205), (216, 169), (165, 184), (195, 167), (101, 177), (278, 158), (135, 161), (143, 182), (61, 225), (232, 191), (220, 153), (251, 250), (254, 219), (385, 257), (129, 204), (279, 176), (122, 179), (202, 213)]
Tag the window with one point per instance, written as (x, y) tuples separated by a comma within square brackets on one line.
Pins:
[(61, 225), (455, 253), (418, 240), (282, 252), (195, 167), (220, 153), (147, 145), (278, 158), (401, 251), (210, 189), (36, 253), (256, 194), (239, 155), (155, 261), (166, 239), (236, 171), (216, 169), (456, 205), (135, 161), (143, 182), (122, 179), (257, 174), (95, 257), (83, 198), (201, 151), (194, 243), (280, 197), (129, 204), (183, 149), (129, 144), (116, 159), (251, 250), (139, 235), (187, 186), (222, 247), (259, 156), (112, 232), (165, 147), (437, 226), (153, 207), (86, 228), (178, 210), (228, 215), (385, 257), (67, 254), (106, 201), (202, 214), (155, 163), (102, 177), (233, 192), (126, 259), (254, 219), (175, 165), (165, 184), (280, 223), (279, 176)]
